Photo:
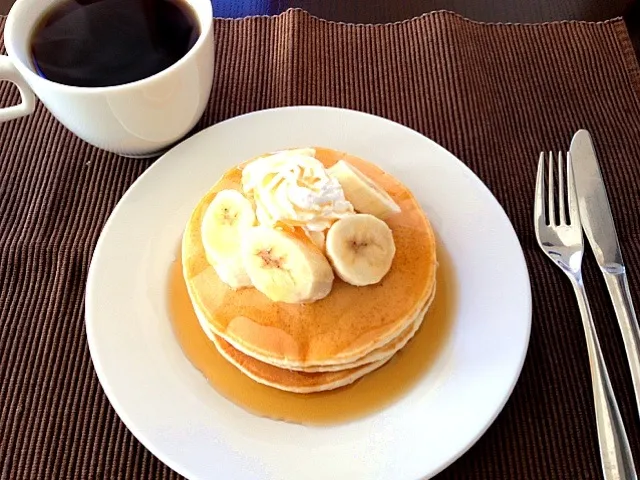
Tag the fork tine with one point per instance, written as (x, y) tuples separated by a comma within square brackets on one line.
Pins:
[(551, 203), (562, 216), (574, 214), (538, 204)]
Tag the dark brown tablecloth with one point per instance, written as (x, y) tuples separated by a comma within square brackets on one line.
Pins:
[(495, 95)]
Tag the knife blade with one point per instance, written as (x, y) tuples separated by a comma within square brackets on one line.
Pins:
[(597, 221)]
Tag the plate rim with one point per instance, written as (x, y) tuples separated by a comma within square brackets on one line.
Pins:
[(130, 424)]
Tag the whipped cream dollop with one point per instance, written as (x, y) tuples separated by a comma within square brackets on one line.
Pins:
[(294, 188)]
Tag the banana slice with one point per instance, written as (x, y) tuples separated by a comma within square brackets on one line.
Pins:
[(233, 273), (364, 194), (317, 238), (361, 249), (285, 268), (224, 224)]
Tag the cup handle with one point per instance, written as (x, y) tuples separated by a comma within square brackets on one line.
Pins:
[(9, 72)]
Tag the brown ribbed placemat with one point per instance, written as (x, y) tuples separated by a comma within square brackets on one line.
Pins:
[(495, 95)]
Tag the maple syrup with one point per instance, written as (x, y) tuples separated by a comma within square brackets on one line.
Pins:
[(367, 395)]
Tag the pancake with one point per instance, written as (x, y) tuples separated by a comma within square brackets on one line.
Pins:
[(378, 354), (292, 380), (383, 352), (347, 325), (310, 382)]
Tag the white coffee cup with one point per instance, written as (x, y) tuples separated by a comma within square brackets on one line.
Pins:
[(136, 119)]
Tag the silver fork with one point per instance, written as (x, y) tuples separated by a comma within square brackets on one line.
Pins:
[(562, 242)]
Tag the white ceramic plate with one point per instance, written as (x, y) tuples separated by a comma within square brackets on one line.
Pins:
[(170, 407)]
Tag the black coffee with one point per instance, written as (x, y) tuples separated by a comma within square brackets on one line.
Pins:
[(98, 43)]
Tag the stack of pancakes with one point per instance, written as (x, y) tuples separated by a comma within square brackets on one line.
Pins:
[(329, 343)]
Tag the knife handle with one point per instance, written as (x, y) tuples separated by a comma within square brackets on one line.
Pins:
[(615, 452), (618, 287)]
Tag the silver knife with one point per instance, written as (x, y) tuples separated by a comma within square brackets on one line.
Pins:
[(597, 222)]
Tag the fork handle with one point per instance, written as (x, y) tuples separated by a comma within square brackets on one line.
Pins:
[(621, 297), (615, 453)]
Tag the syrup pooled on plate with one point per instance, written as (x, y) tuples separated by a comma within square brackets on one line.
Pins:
[(367, 395)]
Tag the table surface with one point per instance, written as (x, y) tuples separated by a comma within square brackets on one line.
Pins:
[(38, 420)]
